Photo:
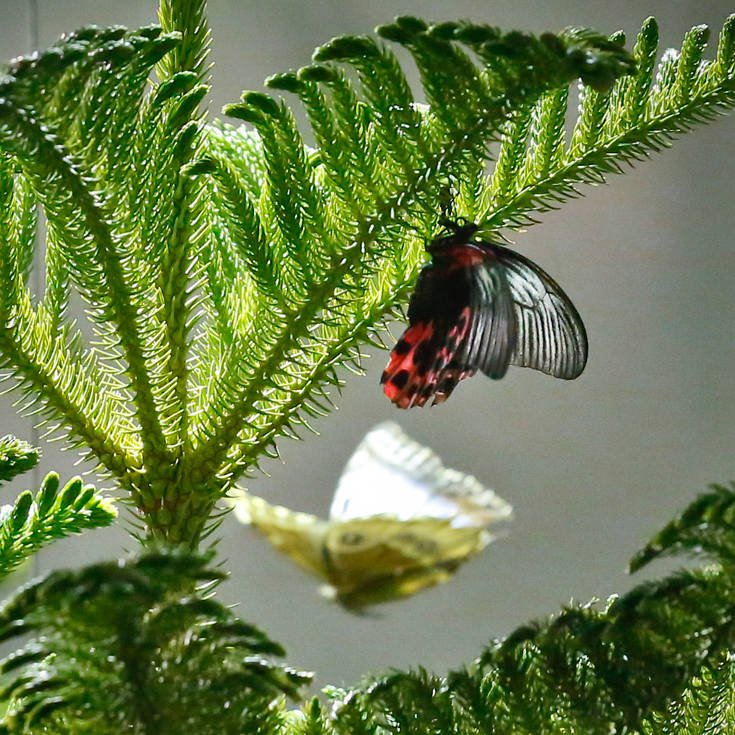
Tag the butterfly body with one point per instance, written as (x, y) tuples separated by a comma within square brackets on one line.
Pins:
[(480, 306)]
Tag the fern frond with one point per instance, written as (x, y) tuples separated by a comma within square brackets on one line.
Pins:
[(32, 523), (641, 114), (16, 457), (138, 646)]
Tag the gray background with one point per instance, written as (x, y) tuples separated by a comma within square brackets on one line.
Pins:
[(593, 467)]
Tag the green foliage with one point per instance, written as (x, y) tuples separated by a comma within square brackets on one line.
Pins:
[(54, 513), (16, 457), (707, 706), (537, 168), (138, 646), (705, 527), (228, 273), (336, 234), (128, 645)]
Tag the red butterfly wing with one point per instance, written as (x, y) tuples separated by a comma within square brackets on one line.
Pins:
[(461, 318), (422, 363)]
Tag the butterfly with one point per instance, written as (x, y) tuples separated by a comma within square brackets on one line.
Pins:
[(480, 306), (400, 521)]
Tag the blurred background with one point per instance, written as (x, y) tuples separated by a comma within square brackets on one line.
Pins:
[(592, 467)]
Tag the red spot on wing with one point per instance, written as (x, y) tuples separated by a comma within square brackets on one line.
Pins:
[(421, 364), (451, 377), (400, 378)]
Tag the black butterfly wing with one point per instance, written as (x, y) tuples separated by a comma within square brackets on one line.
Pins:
[(491, 338), (551, 334)]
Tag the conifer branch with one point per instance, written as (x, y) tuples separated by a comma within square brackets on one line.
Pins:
[(230, 274), (96, 252), (630, 667), (16, 457), (32, 523), (47, 363), (332, 268), (126, 646), (707, 706), (656, 658), (188, 18), (584, 671), (185, 241), (68, 392), (640, 115), (705, 527)]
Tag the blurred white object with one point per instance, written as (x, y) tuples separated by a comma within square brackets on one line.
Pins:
[(400, 521)]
